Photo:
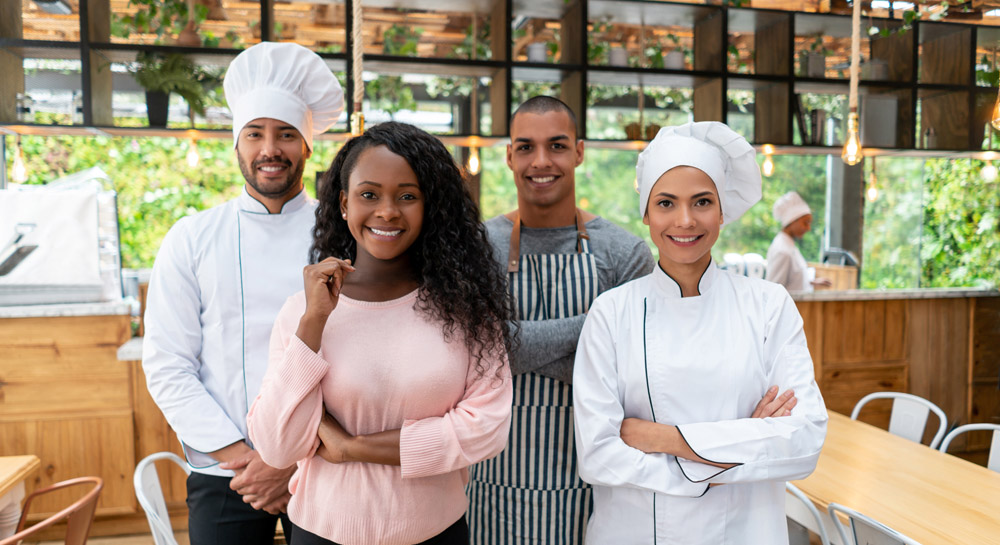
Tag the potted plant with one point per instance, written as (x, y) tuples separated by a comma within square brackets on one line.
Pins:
[(813, 61), (676, 59), (161, 75)]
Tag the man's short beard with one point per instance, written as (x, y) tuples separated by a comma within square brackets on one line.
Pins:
[(291, 181)]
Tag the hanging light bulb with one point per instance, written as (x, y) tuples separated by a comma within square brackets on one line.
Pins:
[(768, 167), (473, 160), (192, 155), (989, 172), (20, 171), (872, 191), (852, 154)]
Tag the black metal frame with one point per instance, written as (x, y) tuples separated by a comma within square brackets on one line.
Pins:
[(86, 47)]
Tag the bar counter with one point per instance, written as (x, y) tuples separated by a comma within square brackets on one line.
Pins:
[(66, 398), (942, 344)]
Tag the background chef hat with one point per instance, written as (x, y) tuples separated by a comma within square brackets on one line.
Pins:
[(283, 81), (715, 149), (789, 207)]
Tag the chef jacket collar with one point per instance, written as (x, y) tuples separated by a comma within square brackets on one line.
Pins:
[(250, 204), (669, 287)]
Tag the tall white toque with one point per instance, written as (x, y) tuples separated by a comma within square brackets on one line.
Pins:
[(789, 207), (715, 149), (283, 81)]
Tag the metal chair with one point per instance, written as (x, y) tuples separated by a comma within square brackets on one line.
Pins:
[(150, 495), (78, 515), (866, 530), (909, 415), (819, 528), (994, 460)]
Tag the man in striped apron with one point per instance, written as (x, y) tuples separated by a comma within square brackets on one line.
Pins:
[(558, 259)]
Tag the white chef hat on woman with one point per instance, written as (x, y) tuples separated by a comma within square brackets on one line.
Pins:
[(283, 81), (789, 207), (715, 149)]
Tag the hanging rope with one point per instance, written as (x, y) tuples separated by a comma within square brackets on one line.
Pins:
[(855, 54), (358, 48)]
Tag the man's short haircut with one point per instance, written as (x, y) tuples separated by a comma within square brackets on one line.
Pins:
[(544, 104)]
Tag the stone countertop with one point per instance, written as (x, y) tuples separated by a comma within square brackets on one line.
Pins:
[(114, 308), (873, 295)]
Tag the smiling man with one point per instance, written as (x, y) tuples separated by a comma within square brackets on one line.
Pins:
[(220, 278), (558, 258)]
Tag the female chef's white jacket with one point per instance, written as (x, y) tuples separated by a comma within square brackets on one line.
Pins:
[(219, 280), (702, 364)]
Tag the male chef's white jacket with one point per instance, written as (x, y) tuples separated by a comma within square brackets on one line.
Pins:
[(702, 364), (786, 265), (219, 280)]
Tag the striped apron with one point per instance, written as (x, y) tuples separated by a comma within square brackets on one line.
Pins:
[(531, 492)]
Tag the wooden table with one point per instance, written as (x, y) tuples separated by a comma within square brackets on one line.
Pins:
[(928, 495), (13, 472)]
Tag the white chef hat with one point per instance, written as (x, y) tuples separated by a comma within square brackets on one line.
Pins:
[(283, 81), (789, 207), (715, 149)]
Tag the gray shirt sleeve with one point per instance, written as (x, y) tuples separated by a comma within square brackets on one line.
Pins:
[(544, 342)]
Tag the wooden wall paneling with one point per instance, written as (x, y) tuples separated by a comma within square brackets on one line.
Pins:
[(872, 331), (947, 112), (944, 57), (99, 23), (770, 114), (72, 331), (771, 53), (76, 447), (938, 357), (710, 43), (843, 335), (896, 49), (708, 100), (812, 325), (11, 64), (152, 435), (895, 337), (984, 402)]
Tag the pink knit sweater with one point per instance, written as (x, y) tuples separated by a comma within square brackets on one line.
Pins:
[(381, 366)]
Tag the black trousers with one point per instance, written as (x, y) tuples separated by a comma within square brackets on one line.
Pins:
[(456, 534), (218, 516)]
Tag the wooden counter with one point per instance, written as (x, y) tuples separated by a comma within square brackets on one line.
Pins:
[(943, 345), (65, 397)]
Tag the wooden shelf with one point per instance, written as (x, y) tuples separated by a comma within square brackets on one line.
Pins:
[(931, 67)]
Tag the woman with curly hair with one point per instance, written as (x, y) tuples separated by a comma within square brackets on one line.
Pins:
[(395, 351)]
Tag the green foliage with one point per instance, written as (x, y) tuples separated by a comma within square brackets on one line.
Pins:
[(164, 18), (155, 184), (401, 40), (892, 229), (390, 94), (961, 227), (174, 73)]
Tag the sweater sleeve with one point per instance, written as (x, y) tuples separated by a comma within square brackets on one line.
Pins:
[(605, 459), (284, 419), (474, 430), (767, 449)]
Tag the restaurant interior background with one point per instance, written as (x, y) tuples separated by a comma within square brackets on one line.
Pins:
[(924, 203)]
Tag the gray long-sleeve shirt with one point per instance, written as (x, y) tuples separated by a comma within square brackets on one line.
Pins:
[(548, 347)]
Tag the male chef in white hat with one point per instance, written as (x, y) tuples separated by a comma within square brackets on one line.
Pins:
[(785, 264), (220, 278)]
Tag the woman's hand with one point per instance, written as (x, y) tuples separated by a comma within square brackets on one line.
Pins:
[(322, 283), (773, 405), (334, 440)]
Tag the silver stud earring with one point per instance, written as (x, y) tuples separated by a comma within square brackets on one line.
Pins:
[(345, 215)]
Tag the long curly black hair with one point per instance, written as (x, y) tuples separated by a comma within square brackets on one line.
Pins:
[(460, 283)]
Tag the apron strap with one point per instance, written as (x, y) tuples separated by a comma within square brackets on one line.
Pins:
[(514, 255)]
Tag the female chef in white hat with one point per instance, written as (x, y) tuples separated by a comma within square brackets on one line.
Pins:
[(671, 368), (785, 264)]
